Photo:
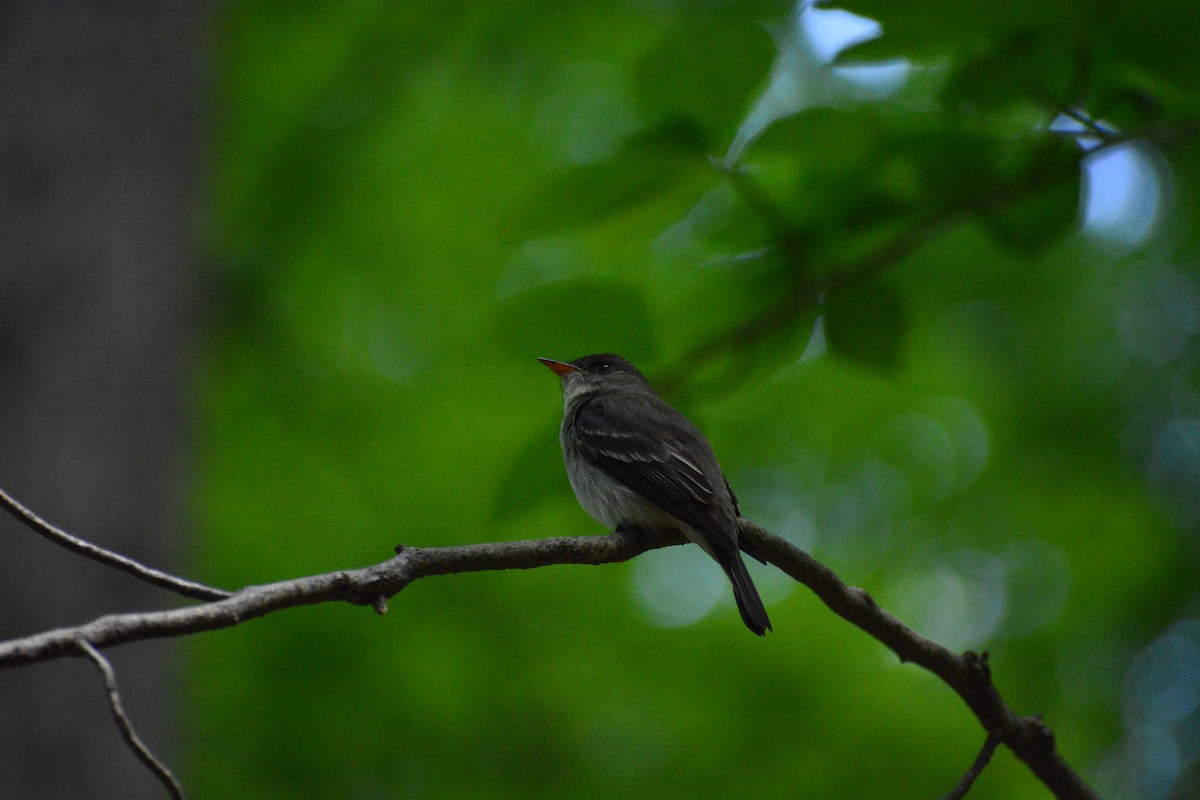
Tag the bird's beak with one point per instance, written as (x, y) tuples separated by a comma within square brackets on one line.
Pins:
[(561, 368)]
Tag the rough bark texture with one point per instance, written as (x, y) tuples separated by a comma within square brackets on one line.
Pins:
[(100, 142)]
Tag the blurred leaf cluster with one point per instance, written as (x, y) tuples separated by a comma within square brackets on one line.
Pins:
[(932, 294)]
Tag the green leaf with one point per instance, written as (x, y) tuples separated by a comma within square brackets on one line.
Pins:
[(647, 167), (1033, 222), (1023, 67), (727, 225), (706, 72), (954, 162), (824, 169), (847, 171), (829, 136), (866, 323), (1154, 38), (935, 29)]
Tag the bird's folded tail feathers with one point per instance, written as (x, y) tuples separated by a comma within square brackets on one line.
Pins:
[(749, 604)]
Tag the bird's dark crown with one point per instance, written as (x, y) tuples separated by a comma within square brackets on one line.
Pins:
[(603, 372), (606, 363)]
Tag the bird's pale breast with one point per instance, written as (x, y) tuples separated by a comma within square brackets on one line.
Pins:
[(608, 501)]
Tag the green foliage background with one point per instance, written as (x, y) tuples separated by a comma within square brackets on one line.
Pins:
[(993, 430)]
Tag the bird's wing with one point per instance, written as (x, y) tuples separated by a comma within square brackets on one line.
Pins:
[(625, 445)]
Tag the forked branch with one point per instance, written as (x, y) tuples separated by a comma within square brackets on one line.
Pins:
[(968, 674)]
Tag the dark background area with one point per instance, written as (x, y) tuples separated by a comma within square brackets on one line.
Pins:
[(101, 150)]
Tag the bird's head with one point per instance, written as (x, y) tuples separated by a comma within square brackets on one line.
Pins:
[(602, 372)]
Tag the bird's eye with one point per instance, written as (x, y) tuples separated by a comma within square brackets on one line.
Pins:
[(604, 367)]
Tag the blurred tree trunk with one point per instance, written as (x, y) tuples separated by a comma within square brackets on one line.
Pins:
[(100, 146)]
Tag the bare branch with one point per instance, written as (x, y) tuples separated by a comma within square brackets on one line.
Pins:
[(981, 761), (967, 674), (163, 580), (367, 586), (130, 736), (1096, 137)]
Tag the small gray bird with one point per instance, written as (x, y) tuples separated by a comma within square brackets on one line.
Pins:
[(634, 461)]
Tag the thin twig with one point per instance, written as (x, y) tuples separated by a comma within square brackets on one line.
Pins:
[(981, 761), (163, 580), (1091, 126), (759, 201), (805, 293), (130, 736), (1163, 134), (1096, 138)]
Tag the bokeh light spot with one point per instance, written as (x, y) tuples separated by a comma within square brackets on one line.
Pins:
[(677, 586), (387, 338), (1173, 468), (539, 261), (958, 600), (923, 449), (1037, 579), (1157, 312), (1122, 194), (856, 514), (1165, 677), (772, 498)]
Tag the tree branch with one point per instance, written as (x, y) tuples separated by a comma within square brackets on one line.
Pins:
[(1029, 738), (967, 674), (366, 586), (981, 761), (163, 580), (122, 719)]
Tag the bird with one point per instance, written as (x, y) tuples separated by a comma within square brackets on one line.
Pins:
[(636, 462)]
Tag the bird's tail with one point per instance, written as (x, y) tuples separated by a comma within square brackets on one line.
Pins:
[(749, 604)]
